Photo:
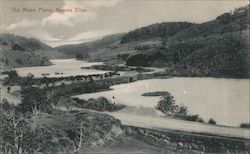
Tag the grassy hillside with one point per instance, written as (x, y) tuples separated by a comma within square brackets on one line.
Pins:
[(73, 132), (214, 48), (225, 23), (163, 30), (18, 51), (72, 50)]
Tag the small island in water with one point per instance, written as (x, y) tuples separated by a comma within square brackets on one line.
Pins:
[(156, 93)]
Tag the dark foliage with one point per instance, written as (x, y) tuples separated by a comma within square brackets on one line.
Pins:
[(164, 30), (157, 93), (167, 106), (17, 47), (36, 100), (245, 125), (215, 48), (99, 104), (212, 121)]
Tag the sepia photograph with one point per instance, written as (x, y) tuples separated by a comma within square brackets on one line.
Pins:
[(124, 76)]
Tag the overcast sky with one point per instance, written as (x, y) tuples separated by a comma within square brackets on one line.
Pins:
[(101, 17)]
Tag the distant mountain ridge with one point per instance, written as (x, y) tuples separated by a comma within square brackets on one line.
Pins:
[(72, 50), (219, 47), (19, 51), (215, 48)]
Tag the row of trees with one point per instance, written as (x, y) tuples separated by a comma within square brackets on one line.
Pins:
[(31, 80), (81, 56)]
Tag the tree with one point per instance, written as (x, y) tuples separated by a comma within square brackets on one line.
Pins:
[(14, 126), (123, 56), (212, 121), (84, 128), (79, 56), (20, 134), (4, 43), (6, 61), (8, 89), (17, 47), (183, 110), (176, 58), (19, 61), (13, 76), (53, 98), (166, 104), (29, 80), (34, 100), (193, 118)]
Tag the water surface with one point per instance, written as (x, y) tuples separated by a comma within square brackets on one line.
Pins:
[(65, 67), (225, 100)]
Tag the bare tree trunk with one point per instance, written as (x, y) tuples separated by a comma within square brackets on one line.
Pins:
[(35, 110), (67, 109), (80, 141), (20, 150), (15, 135), (53, 106)]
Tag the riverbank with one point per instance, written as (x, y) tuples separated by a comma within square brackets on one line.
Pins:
[(127, 82), (162, 123), (186, 140)]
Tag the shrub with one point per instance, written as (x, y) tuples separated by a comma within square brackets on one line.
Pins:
[(200, 120), (99, 104), (166, 104), (245, 125), (183, 111), (192, 117), (168, 107), (212, 121)]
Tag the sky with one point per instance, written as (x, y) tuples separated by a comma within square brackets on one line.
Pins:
[(60, 22)]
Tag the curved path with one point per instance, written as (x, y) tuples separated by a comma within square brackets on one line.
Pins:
[(163, 123)]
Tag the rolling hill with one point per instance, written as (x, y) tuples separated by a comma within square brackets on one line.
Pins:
[(72, 50), (216, 48), (19, 51), (219, 47)]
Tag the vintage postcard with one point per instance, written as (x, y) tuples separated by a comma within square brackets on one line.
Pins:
[(124, 76)]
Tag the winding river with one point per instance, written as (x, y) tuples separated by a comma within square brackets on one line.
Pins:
[(61, 67), (225, 100)]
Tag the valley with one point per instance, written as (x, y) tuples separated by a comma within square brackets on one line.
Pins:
[(170, 87)]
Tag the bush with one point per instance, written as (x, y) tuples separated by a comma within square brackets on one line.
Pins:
[(245, 125), (168, 107), (200, 120), (99, 104), (166, 104), (212, 121), (193, 118)]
